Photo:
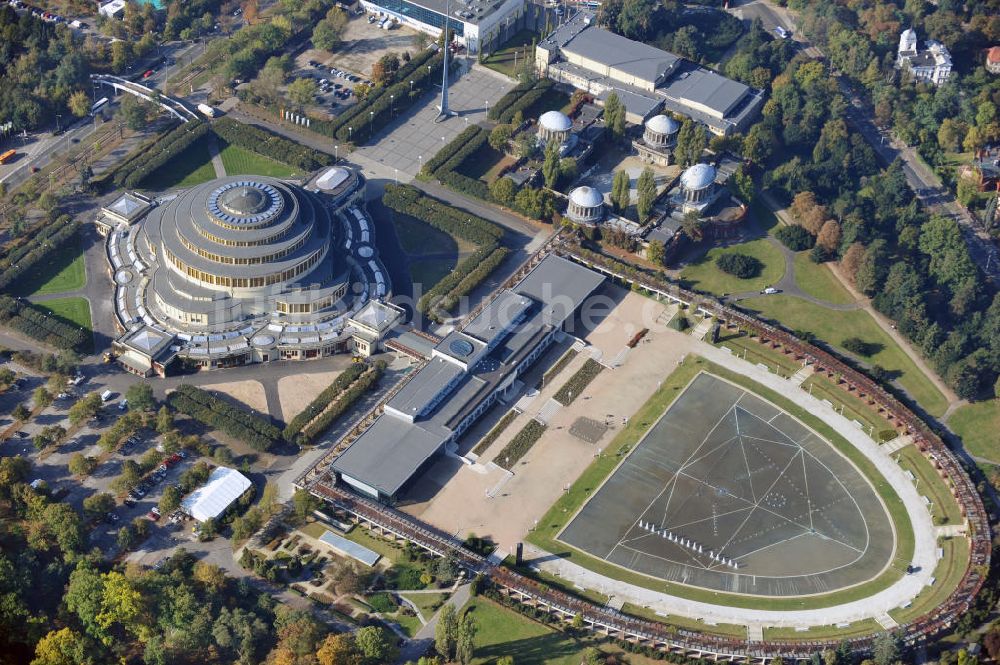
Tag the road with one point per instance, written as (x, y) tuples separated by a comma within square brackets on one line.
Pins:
[(922, 180)]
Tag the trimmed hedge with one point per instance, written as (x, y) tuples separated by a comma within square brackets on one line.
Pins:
[(467, 281), (494, 433), (527, 100), (348, 397), (508, 100), (411, 201), (315, 407), (432, 165), (519, 446), (173, 143), (578, 382), (238, 423), (271, 145), (37, 247), (37, 324)]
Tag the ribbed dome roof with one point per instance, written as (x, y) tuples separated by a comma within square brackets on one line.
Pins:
[(555, 121), (698, 176), (662, 124), (245, 201), (586, 197)]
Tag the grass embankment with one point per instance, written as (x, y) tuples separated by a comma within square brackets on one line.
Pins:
[(977, 424), (62, 270), (192, 167), (947, 575), (545, 535), (855, 629), (818, 280), (73, 310), (849, 404), (502, 60), (240, 161), (706, 276), (503, 632), (931, 485), (834, 327)]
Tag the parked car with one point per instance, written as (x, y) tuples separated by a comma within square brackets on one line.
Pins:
[(153, 516), (182, 454)]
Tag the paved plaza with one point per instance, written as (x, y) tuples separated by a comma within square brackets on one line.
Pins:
[(414, 136)]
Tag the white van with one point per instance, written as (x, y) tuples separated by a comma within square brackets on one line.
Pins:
[(106, 395), (781, 32)]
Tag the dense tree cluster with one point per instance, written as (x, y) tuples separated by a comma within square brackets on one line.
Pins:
[(698, 35), (238, 423)]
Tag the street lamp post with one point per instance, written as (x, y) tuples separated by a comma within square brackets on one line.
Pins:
[(371, 122), (392, 105), (487, 107), (411, 87), (336, 153), (58, 124), (396, 175), (350, 133)]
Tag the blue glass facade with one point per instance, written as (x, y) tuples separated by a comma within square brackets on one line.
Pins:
[(409, 10)]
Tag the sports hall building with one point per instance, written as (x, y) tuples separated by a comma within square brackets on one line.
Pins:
[(478, 24), (244, 269), (466, 373)]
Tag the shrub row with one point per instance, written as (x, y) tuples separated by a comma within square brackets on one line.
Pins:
[(560, 364), (376, 111), (348, 397), (468, 282), (465, 185), (19, 247), (39, 246), (578, 382), (494, 433), (234, 421), (526, 101), (37, 324), (519, 446), (432, 165), (429, 301), (315, 407), (270, 145), (126, 426), (508, 100), (411, 201), (103, 182), (172, 144)]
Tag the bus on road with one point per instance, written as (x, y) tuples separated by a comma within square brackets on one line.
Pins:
[(7, 156), (98, 105)]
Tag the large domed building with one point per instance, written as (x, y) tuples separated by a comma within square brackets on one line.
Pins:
[(557, 127), (586, 205), (698, 188), (659, 138), (245, 269)]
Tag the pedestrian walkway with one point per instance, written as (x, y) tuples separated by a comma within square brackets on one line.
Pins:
[(702, 328), (800, 376), (421, 642), (898, 443), (755, 632), (886, 621)]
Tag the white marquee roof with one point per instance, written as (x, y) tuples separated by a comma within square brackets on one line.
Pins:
[(209, 501)]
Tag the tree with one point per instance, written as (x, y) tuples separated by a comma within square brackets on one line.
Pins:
[(500, 136), (465, 641), (656, 252), (126, 538), (338, 649), (326, 34), (269, 498), (385, 69), (140, 397), (376, 645), (41, 398), (170, 500), (550, 167), (346, 580), (614, 116), (886, 650), (646, 186), (739, 265), (692, 226), (63, 647), (21, 413), (873, 268), (210, 575), (82, 465), (132, 111), (526, 145), (795, 237), (691, 142), (96, 505), (851, 260), (79, 104), (829, 236), (503, 190), (85, 408), (620, 194), (446, 632), (304, 503), (302, 91), (164, 420)]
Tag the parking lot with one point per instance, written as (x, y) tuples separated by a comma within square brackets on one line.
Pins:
[(362, 44)]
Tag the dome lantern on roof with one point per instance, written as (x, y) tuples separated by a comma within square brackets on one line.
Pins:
[(586, 205)]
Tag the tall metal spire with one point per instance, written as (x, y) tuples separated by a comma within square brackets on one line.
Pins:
[(443, 111)]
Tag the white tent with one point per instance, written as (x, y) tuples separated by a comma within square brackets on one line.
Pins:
[(209, 501)]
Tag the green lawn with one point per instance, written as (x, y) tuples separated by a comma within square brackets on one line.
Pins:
[(930, 484), (428, 603), (705, 276), (74, 310), (545, 535), (818, 280), (856, 629), (61, 271), (503, 59), (191, 167), (833, 327), (429, 272), (977, 424), (240, 161), (504, 632)]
